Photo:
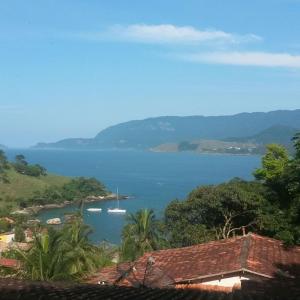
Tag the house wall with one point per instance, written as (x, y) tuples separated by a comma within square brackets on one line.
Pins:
[(7, 238), (227, 282)]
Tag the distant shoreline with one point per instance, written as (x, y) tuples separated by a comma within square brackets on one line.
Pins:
[(206, 153)]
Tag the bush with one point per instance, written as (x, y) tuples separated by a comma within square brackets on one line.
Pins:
[(19, 234), (4, 226)]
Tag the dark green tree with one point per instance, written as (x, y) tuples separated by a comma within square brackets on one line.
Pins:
[(215, 212), (4, 166), (274, 163), (19, 233), (20, 159)]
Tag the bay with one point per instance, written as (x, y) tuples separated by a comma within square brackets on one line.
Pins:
[(151, 179)]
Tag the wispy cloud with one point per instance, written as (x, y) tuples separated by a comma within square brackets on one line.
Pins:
[(204, 40), (263, 59), (168, 34)]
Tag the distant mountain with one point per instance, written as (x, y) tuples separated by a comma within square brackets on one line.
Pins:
[(149, 133), (2, 146), (73, 143), (279, 134), (254, 144)]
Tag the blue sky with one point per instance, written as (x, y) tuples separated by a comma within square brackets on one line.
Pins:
[(70, 68)]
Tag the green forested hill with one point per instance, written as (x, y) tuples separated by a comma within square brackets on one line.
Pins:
[(149, 133)]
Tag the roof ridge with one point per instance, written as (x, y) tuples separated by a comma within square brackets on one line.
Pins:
[(196, 245), (272, 239), (245, 249)]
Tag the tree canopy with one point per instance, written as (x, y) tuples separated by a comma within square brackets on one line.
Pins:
[(23, 167), (214, 212), (270, 205)]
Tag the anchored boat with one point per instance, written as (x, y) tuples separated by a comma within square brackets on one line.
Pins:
[(117, 210), (94, 209)]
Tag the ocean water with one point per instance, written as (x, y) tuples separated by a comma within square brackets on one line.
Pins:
[(151, 179)]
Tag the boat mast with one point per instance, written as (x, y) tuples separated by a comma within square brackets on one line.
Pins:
[(118, 196)]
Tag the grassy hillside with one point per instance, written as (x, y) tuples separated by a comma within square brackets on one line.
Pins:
[(25, 185), (22, 186)]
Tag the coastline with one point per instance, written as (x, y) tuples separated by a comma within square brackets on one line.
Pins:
[(207, 153), (33, 210)]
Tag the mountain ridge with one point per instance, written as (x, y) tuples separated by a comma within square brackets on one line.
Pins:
[(150, 132)]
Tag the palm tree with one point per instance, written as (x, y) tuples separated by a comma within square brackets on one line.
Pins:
[(62, 254), (140, 235), (81, 256), (44, 261)]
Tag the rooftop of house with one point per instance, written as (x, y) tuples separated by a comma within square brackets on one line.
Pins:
[(26, 290), (253, 254), (9, 263)]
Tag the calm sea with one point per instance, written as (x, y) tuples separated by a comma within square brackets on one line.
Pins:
[(151, 179)]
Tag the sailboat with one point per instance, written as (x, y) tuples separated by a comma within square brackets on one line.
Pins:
[(117, 210), (94, 209)]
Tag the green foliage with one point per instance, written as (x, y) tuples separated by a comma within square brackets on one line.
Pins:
[(23, 184), (274, 163), (20, 159), (269, 206), (214, 212), (76, 189), (82, 187), (19, 234), (4, 166), (296, 140), (22, 167), (62, 254), (141, 234), (4, 226)]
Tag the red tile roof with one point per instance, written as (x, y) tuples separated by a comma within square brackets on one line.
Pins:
[(252, 253), (111, 274), (9, 263), (11, 289)]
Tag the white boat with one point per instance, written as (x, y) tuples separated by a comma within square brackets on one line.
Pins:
[(94, 209), (117, 210)]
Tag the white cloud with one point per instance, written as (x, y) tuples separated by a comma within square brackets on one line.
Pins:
[(169, 34), (263, 59)]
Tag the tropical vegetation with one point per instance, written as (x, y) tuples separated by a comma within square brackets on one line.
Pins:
[(269, 205), (141, 234), (65, 254)]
